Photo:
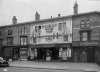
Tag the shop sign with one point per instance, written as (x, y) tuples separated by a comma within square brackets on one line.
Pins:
[(46, 26), (88, 43)]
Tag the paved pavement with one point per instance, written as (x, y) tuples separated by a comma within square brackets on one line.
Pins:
[(91, 67)]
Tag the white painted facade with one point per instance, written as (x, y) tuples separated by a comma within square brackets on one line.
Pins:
[(52, 32)]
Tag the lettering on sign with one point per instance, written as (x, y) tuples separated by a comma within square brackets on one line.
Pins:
[(49, 25), (88, 43)]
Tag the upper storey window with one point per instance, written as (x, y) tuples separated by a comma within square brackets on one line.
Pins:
[(10, 41), (85, 23), (82, 23), (9, 32), (23, 30)]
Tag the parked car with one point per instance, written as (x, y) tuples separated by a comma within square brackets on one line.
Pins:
[(3, 63)]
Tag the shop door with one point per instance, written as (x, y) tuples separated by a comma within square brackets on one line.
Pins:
[(91, 54), (76, 56), (83, 54), (16, 53)]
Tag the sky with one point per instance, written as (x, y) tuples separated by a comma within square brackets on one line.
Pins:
[(25, 10)]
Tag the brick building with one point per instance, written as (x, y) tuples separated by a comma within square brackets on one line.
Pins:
[(13, 38), (86, 37)]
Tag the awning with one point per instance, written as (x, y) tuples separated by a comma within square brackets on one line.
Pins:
[(50, 45)]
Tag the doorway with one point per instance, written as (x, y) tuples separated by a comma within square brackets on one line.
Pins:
[(91, 54)]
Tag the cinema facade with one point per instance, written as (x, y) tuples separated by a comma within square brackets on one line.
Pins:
[(51, 39)]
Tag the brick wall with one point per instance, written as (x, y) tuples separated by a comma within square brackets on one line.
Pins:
[(94, 25)]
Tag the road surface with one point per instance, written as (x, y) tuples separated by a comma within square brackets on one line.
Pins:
[(17, 69)]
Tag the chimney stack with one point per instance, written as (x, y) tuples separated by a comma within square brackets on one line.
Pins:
[(14, 20), (75, 8), (58, 15), (37, 16), (51, 17)]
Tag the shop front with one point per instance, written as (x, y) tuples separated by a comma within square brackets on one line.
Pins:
[(85, 51), (23, 52), (50, 52), (7, 52)]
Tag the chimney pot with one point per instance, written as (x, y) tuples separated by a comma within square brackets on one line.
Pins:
[(75, 8), (51, 17), (14, 20), (58, 15), (37, 16)]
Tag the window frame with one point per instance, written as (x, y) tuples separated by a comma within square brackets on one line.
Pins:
[(23, 30), (9, 32), (82, 23), (88, 35), (23, 40), (87, 20), (86, 25), (9, 41)]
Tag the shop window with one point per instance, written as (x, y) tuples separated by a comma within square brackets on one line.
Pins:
[(23, 30), (1, 42), (85, 36), (9, 32), (23, 40), (10, 41)]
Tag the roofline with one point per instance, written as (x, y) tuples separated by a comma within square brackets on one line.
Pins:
[(93, 12), (42, 20), (50, 19)]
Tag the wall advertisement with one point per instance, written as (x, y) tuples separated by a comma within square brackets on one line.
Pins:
[(58, 32)]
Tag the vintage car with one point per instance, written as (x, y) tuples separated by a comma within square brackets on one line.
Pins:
[(3, 63)]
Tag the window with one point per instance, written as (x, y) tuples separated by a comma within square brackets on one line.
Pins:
[(23, 30), (9, 32), (1, 41), (85, 36), (38, 29), (87, 22), (23, 40), (10, 41), (64, 24), (60, 26), (82, 23), (65, 37), (34, 39), (49, 39)]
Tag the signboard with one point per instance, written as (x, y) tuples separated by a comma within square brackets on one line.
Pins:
[(91, 43), (88, 43)]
